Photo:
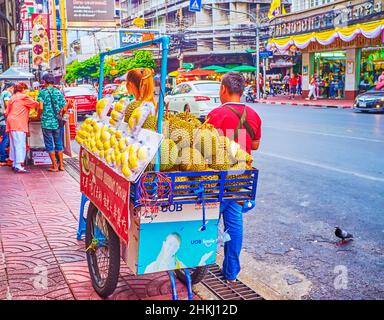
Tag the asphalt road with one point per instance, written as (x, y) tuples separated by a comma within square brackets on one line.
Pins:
[(321, 168)]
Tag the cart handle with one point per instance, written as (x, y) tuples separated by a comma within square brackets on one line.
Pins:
[(164, 41)]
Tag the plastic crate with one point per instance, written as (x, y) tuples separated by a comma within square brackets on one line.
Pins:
[(229, 185)]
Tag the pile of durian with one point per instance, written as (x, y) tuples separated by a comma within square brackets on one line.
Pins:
[(188, 145)]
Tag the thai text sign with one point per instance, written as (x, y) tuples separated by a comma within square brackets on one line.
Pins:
[(40, 40), (91, 13), (108, 191)]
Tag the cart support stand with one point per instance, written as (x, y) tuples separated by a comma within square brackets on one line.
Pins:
[(173, 285), (189, 284), (82, 221)]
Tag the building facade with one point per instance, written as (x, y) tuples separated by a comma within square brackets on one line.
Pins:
[(341, 42), (299, 5), (8, 32), (216, 35)]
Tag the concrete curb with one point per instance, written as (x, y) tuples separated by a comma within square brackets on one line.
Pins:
[(302, 104), (269, 281)]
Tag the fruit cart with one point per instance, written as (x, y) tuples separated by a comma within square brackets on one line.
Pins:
[(164, 221)]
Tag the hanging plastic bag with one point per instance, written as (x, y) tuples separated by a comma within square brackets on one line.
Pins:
[(222, 235)]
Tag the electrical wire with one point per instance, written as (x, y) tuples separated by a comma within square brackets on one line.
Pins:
[(161, 188)]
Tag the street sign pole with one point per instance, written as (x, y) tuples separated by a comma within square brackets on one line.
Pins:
[(257, 50)]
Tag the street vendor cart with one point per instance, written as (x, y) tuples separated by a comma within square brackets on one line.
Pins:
[(155, 223)]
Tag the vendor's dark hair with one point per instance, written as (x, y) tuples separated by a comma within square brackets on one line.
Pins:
[(8, 85), (48, 78), (234, 82)]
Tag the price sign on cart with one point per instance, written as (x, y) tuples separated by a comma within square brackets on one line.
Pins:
[(107, 190)]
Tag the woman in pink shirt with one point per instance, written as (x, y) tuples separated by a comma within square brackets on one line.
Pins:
[(17, 115)]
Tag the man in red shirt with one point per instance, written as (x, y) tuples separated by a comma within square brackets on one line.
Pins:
[(233, 118), (293, 82), (236, 121)]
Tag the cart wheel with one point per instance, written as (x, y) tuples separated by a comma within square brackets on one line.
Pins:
[(197, 274), (103, 252)]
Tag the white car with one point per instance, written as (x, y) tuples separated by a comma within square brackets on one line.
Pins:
[(200, 97)]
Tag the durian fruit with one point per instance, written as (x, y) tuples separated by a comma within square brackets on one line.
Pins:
[(213, 178), (181, 186), (168, 155), (181, 137), (130, 108), (221, 160), (192, 160), (243, 156), (206, 141), (126, 171), (150, 123), (149, 179), (236, 186), (101, 105)]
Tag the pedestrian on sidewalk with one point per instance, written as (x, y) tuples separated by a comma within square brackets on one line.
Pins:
[(5, 96), (292, 86), (271, 87), (286, 83), (299, 84), (52, 105), (17, 115), (235, 120), (312, 89), (261, 84)]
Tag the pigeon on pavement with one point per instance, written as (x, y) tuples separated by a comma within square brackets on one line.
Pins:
[(342, 234)]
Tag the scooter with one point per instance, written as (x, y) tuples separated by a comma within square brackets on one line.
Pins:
[(249, 94)]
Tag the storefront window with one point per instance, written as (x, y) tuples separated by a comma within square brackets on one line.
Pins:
[(329, 68), (372, 65)]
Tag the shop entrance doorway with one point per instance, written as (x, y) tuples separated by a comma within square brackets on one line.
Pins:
[(329, 67)]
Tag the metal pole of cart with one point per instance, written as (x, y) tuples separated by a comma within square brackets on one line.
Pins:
[(163, 78), (163, 73)]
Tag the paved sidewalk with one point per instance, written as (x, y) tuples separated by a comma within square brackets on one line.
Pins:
[(300, 101), (38, 224)]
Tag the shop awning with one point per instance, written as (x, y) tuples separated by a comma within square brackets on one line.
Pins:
[(174, 73), (212, 67), (244, 68), (369, 30), (222, 70), (16, 73)]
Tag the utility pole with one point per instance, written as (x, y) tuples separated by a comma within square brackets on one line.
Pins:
[(256, 20), (257, 50)]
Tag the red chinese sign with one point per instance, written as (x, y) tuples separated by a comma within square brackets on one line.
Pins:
[(108, 191)]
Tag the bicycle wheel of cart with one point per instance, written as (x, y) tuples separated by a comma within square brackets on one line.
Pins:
[(103, 252), (197, 274)]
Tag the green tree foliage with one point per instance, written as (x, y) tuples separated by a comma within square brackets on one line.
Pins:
[(90, 68)]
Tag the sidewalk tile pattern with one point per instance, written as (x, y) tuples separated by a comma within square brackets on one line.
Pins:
[(40, 257)]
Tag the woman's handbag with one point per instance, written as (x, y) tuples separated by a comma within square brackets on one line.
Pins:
[(60, 118)]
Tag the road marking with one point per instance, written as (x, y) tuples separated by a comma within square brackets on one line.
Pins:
[(322, 166), (326, 134)]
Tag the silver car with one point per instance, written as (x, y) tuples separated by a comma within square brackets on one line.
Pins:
[(197, 97)]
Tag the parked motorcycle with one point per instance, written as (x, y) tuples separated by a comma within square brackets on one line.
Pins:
[(249, 94)]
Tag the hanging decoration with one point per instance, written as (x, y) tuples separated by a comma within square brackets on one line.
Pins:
[(369, 30)]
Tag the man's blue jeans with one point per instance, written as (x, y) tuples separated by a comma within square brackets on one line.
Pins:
[(233, 224), (3, 144), (53, 140)]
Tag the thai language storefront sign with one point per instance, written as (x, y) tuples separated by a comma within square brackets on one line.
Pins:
[(108, 191), (341, 15), (91, 13)]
